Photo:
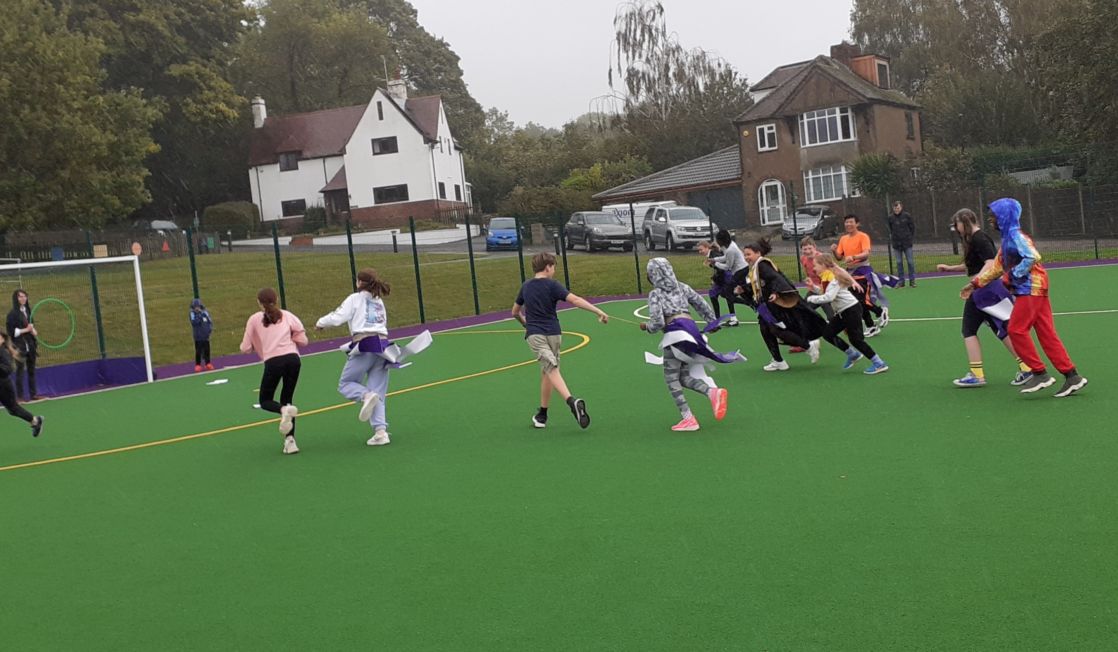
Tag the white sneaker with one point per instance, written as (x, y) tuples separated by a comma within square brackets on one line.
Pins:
[(872, 331), (368, 403), (776, 366), (884, 321), (379, 439), (287, 413), (813, 351), (289, 445), (732, 321)]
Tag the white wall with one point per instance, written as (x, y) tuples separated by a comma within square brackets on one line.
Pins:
[(448, 161), (278, 187), (411, 165)]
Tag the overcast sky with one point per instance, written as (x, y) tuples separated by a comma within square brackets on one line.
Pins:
[(545, 61)]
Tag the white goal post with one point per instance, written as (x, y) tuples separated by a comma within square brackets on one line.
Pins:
[(26, 271)]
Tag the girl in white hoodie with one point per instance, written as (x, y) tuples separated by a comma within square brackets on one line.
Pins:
[(365, 375)]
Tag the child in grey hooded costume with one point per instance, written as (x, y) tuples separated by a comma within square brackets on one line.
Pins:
[(683, 344)]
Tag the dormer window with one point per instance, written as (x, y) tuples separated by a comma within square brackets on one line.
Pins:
[(883, 74), (289, 161)]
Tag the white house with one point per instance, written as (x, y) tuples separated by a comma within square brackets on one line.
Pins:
[(380, 162)]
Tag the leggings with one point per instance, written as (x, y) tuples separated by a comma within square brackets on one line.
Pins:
[(850, 320), (285, 368), (8, 400), (774, 335), (677, 377), (201, 351)]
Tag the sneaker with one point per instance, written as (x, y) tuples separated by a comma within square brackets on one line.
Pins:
[(776, 365), (209, 366), (197, 368), (289, 445), (851, 359), (718, 400), (37, 426), (813, 351), (1037, 382), (901, 284), (876, 368), (1073, 384), (732, 321), (884, 320), (969, 380), (686, 425), (368, 404), (537, 423), (1021, 378), (912, 283), (287, 416), (579, 410), (872, 331), (379, 438)]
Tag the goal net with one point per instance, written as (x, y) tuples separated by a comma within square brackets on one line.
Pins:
[(90, 321)]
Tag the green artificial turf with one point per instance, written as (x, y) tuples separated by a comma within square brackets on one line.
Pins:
[(829, 510)]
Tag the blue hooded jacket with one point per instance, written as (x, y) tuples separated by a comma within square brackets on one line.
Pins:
[(1018, 259), (200, 321)]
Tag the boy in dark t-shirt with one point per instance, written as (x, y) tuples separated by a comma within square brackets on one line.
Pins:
[(535, 309)]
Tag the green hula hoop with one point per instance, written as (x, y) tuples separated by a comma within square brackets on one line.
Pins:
[(73, 322)]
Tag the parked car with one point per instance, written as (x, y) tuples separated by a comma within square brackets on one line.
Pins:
[(817, 221), (676, 226), (501, 233), (162, 227), (634, 211), (597, 230)]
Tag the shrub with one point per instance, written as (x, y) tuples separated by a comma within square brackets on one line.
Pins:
[(239, 217), (314, 219)]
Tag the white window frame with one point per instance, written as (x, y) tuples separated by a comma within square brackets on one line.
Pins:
[(763, 207), (821, 121), (838, 177), (769, 133)]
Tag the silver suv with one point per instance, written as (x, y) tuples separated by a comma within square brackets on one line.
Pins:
[(676, 226)]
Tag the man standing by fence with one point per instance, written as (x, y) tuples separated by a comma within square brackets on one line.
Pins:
[(902, 232)]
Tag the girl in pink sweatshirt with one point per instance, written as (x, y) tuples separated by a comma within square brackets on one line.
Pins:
[(275, 336)]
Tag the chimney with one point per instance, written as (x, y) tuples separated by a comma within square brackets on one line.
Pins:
[(873, 68), (259, 112), (398, 88), (845, 52)]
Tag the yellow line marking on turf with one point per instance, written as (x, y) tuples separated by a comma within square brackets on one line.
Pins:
[(245, 426)]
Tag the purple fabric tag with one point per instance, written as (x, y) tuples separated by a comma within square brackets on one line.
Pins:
[(699, 346)]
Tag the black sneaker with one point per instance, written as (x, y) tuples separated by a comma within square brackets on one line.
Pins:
[(539, 421), (1037, 382), (1073, 384), (36, 426), (578, 408)]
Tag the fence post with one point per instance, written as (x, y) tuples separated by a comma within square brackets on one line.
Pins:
[(473, 272), (279, 267), (563, 249), (415, 263), (1082, 215), (349, 248), (889, 230), (193, 265), (395, 244), (935, 219), (1032, 215), (636, 255), (796, 231), (520, 247), (96, 298)]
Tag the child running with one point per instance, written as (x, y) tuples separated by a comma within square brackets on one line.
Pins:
[(854, 249), (814, 282), (733, 263), (847, 313), (275, 336), (365, 374), (719, 280), (1018, 265), (979, 250), (8, 358), (683, 344), (535, 310)]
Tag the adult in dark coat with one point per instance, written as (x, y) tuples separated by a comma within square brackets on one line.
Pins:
[(902, 233), (22, 334)]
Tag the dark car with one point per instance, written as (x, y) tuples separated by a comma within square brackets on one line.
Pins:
[(817, 221), (501, 233), (597, 230)]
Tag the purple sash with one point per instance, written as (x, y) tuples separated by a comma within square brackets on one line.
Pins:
[(875, 281), (372, 344), (995, 300), (699, 347)]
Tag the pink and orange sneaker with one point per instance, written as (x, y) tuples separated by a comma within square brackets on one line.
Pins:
[(686, 425), (718, 401)]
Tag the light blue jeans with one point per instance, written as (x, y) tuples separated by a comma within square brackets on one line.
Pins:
[(366, 372), (901, 255)]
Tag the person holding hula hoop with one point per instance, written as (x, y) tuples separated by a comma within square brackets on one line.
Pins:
[(22, 337)]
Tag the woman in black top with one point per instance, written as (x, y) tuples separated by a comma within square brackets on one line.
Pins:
[(978, 250), (782, 313), (21, 333)]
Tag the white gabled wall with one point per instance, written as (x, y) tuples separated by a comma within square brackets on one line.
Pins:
[(270, 187), (448, 161), (411, 165)]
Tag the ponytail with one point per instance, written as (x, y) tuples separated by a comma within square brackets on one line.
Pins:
[(272, 314), (762, 246), (842, 276), (368, 281)]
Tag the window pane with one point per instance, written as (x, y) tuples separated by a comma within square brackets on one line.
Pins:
[(812, 134), (847, 131)]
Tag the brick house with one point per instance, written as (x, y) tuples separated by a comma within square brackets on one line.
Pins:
[(810, 121), (379, 163)]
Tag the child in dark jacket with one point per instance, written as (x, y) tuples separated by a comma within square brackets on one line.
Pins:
[(8, 358), (202, 325)]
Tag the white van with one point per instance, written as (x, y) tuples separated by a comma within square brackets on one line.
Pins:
[(622, 210)]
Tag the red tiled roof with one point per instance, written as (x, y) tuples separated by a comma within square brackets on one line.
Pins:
[(314, 135), (336, 183)]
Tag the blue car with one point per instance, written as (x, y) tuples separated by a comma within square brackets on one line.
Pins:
[(501, 234)]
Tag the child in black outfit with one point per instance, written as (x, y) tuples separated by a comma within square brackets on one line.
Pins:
[(8, 358)]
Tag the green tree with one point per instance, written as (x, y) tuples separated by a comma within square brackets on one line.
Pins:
[(678, 103), (71, 153), (877, 176), (944, 168)]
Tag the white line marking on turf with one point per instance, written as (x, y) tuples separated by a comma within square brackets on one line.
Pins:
[(638, 314)]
